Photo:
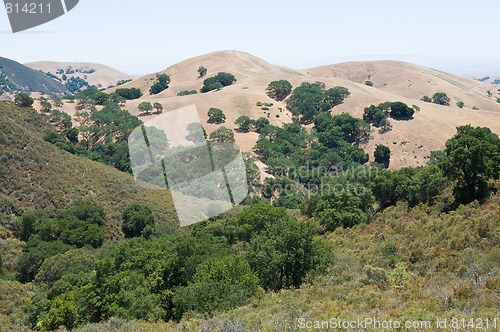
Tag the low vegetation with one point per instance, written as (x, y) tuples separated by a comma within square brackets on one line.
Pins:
[(187, 92)]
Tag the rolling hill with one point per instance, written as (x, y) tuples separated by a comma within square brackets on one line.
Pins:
[(410, 141), (17, 77), (94, 73)]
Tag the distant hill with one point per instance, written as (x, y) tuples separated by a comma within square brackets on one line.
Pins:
[(410, 141), (95, 74), (17, 77), (413, 81), (495, 80)]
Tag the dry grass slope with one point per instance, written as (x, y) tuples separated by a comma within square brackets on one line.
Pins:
[(410, 141)]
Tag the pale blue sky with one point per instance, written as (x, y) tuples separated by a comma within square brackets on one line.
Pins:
[(150, 35)]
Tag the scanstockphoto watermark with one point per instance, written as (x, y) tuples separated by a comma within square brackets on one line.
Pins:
[(24, 15), (205, 178), (349, 180), (309, 171), (370, 323)]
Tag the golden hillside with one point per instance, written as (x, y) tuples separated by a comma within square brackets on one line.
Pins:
[(410, 141)]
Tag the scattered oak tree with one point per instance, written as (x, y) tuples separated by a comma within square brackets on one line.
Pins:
[(223, 135), (158, 107), (161, 84), (279, 90), (400, 110), (145, 107), (472, 158), (441, 98), (216, 116), (217, 82), (202, 71), (244, 123)]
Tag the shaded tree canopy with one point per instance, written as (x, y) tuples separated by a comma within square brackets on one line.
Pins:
[(279, 90), (472, 158)]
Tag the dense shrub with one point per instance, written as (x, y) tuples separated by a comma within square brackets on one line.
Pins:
[(129, 94)]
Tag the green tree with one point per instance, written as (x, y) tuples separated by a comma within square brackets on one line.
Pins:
[(426, 99), (202, 71), (382, 155), (34, 254), (385, 125), (75, 261), (311, 99), (441, 98), (279, 90), (282, 254), (145, 107), (374, 114), (161, 84), (460, 104), (400, 110), (100, 98), (472, 158), (219, 284), (260, 124), (244, 123), (223, 135), (342, 204), (29, 224), (158, 107), (216, 116), (129, 94), (137, 220), (23, 99), (217, 82)]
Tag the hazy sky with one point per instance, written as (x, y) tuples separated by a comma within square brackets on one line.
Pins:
[(150, 35)]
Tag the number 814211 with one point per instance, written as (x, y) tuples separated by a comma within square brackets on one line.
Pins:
[(27, 8)]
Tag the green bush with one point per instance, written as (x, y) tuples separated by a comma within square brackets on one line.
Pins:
[(426, 99), (219, 284), (23, 99), (129, 94), (187, 92), (137, 220), (441, 98)]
